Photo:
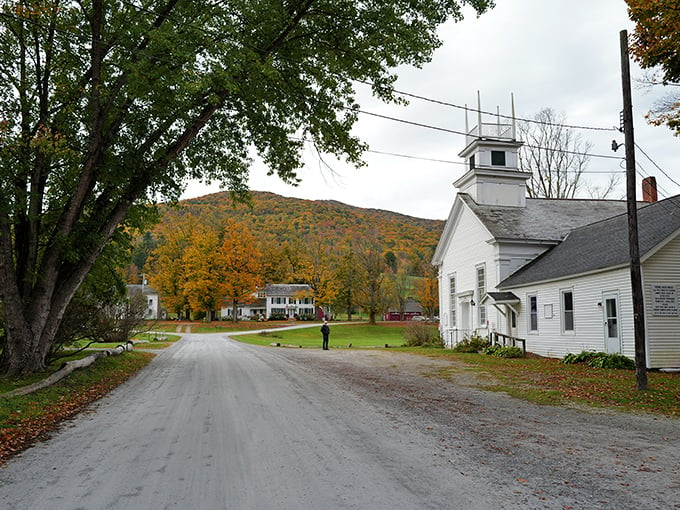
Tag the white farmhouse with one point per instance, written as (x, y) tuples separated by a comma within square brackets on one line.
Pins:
[(289, 300), (552, 272), (278, 300)]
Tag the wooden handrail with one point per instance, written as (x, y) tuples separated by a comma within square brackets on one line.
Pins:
[(494, 339)]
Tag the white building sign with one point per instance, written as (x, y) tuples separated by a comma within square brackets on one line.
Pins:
[(664, 301)]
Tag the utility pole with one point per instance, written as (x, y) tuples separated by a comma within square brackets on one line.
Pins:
[(633, 245)]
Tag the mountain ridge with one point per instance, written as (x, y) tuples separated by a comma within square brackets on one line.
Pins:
[(288, 219)]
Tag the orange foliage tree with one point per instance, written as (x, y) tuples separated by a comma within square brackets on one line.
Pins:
[(656, 44), (427, 294), (205, 286), (241, 263), (166, 267)]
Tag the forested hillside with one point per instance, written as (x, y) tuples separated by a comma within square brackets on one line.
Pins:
[(287, 220)]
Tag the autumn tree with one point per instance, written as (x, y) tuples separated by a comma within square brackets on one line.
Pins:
[(322, 263), (347, 274), (167, 270), (141, 252), (371, 292), (240, 263), (205, 285), (426, 290), (106, 106), (655, 45), (275, 264)]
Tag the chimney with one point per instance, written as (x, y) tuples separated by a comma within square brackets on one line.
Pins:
[(649, 189)]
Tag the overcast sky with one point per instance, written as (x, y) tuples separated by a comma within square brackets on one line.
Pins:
[(562, 54)]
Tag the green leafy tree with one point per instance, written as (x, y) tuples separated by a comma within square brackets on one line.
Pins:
[(108, 105), (142, 250), (398, 289), (391, 260)]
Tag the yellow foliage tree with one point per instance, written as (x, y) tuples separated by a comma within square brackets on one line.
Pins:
[(204, 268), (166, 267), (241, 263), (427, 294)]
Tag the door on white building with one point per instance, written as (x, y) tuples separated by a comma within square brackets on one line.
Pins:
[(465, 312), (612, 327), (511, 317)]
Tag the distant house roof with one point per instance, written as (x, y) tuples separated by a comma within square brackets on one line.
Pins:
[(286, 289), (412, 306), (542, 219), (601, 245)]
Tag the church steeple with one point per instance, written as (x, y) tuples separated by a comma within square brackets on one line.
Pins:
[(491, 155)]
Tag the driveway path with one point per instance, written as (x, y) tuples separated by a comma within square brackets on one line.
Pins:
[(214, 424)]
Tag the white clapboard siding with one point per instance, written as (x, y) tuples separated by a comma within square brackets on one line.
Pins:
[(467, 248), (588, 335), (662, 331)]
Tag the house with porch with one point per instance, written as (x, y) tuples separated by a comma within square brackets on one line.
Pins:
[(289, 300), (508, 263), (277, 300)]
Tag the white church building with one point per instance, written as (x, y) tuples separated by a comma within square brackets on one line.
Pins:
[(552, 272)]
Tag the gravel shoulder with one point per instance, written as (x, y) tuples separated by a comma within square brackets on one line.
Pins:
[(546, 456)]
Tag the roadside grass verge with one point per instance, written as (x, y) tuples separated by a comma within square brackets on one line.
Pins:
[(152, 340), (28, 418), (549, 382), (342, 335), (149, 340), (216, 326)]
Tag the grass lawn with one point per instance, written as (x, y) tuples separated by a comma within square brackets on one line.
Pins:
[(152, 340), (342, 335)]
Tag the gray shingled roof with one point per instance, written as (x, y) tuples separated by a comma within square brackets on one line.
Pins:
[(601, 245), (542, 219), (285, 289)]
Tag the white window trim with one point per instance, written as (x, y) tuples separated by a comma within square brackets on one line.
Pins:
[(479, 295), (529, 330), (563, 321), (453, 302)]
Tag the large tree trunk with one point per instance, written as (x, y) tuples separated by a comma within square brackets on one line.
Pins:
[(32, 318), (371, 317), (234, 311)]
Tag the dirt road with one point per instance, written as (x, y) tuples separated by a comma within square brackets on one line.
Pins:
[(214, 424)]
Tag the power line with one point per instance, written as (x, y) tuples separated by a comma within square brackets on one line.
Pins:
[(455, 132), (451, 162), (657, 166), (475, 110)]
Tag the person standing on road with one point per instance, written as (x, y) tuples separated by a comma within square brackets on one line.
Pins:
[(325, 332)]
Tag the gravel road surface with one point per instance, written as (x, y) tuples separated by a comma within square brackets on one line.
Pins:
[(214, 424)]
